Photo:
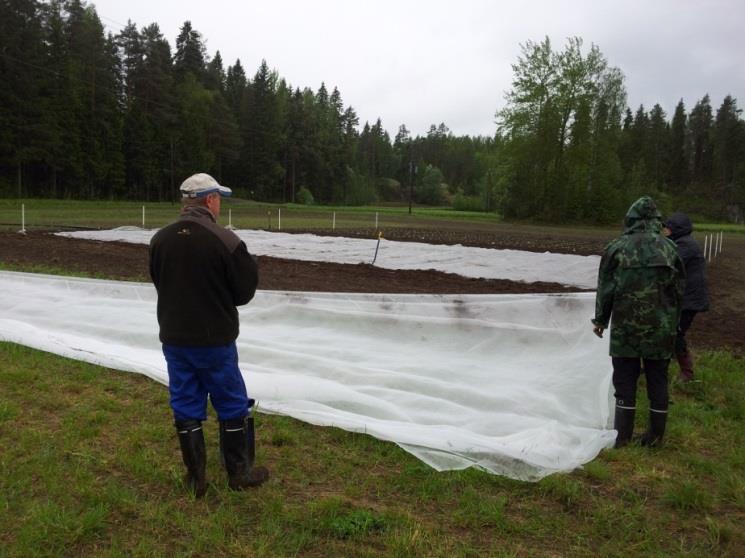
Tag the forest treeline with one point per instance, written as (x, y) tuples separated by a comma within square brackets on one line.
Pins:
[(86, 114)]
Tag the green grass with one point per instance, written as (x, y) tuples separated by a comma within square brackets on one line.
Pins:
[(90, 466), (52, 270), (717, 227), (48, 213), (242, 213)]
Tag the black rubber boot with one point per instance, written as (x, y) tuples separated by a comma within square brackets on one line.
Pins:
[(656, 431), (239, 450), (191, 438), (623, 422)]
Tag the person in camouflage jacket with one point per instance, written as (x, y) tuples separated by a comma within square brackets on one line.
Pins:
[(640, 285)]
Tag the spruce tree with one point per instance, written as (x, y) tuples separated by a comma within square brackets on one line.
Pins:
[(190, 53), (678, 174), (657, 147), (215, 74), (700, 124), (235, 85), (728, 142), (22, 126)]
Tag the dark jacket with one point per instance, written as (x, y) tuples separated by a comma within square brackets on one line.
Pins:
[(202, 272), (640, 283), (696, 295)]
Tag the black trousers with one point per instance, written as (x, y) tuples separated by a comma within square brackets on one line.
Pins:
[(686, 319), (626, 373)]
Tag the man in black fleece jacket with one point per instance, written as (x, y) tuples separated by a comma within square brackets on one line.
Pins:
[(678, 228), (202, 272)]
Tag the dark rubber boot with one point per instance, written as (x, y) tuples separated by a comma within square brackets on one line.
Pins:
[(656, 431), (685, 360), (239, 450), (624, 422), (191, 438)]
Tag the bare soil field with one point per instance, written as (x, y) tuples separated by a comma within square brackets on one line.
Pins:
[(722, 327)]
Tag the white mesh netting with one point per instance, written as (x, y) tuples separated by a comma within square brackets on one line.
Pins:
[(515, 265), (516, 385)]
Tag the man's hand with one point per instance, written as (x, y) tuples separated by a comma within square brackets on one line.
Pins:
[(598, 330)]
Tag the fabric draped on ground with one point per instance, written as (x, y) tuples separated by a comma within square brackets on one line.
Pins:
[(487, 263), (514, 384)]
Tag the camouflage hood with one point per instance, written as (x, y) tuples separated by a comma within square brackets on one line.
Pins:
[(642, 216), (640, 283)]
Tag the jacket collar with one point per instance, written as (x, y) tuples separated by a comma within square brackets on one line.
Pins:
[(197, 212)]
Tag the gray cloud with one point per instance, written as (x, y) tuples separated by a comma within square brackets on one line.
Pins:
[(423, 63)]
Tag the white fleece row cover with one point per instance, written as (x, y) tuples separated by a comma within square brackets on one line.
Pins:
[(514, 384), (488, 263)]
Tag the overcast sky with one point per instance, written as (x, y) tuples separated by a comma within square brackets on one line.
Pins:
[(430, 61)]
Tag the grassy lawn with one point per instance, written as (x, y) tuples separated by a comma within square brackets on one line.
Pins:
[(90, 466), (41, 213), (242, 213), (45, 213)]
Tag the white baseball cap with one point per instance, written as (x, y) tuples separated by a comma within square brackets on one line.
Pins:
[(201, 184)]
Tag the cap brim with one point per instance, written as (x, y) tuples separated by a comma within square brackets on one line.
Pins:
[(224, 191)]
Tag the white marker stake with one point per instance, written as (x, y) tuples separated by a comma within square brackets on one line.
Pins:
[(376, 220), (333, 222), (706, 239), (711, 244), (279, 219), (23, 218), (713, 250)]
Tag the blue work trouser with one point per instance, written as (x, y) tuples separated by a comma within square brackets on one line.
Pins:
[(195, 372)]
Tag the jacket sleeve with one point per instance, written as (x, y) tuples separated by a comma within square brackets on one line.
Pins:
[(244, 275), (606, 288), (680, 278), (687, 250), (153, 265)]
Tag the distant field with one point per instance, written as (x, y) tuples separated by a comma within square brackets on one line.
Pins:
[(42, 213), (242, 214)]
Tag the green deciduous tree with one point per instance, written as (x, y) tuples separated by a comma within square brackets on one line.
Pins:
[(554, 95)]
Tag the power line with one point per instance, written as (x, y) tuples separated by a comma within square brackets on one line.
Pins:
[(121, 25)]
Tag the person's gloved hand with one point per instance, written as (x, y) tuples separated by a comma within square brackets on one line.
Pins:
[(598, 330)]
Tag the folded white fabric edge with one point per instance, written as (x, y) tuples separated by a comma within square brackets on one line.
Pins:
[(512, 384)]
